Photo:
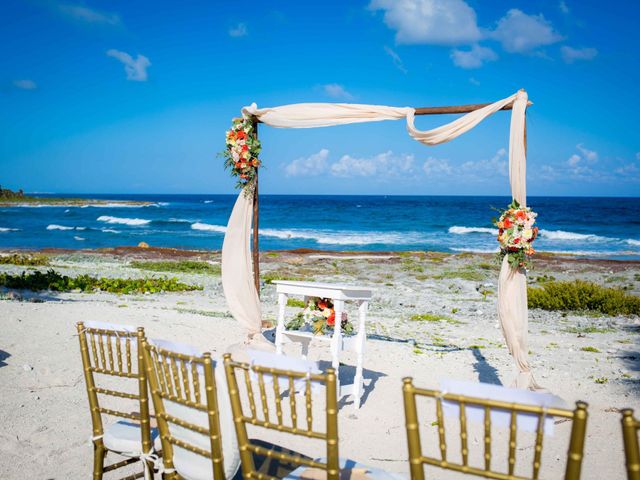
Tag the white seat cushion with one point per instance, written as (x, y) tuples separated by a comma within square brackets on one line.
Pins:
[(124, 437), (192, 466), (347, 464)]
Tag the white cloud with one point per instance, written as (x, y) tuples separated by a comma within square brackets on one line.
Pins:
[(637, 155), (564, 8), (385, 165), (89, 15), (239, 30), (474, 81), (397, 61), (574, 160), (630, 169), (136, 69), (25, 84), (436, 166), (485, 169), (570, 54), (590, 155), (436, 22), (473, 58), (336, 91), (522, 33), (315, 164)]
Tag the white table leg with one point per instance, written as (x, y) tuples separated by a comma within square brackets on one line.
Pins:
[(282, 302), (338, 306), (358, 385)]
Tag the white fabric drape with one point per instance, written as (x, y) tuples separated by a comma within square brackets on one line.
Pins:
[(237, 269), (512, 294)]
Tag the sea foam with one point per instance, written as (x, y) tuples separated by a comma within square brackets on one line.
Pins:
[(464, 230), (208, 227), (123, 221), (4, 229), (53, 226)]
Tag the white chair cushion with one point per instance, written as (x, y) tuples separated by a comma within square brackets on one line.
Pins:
[(125, 437), (347, 464), (283, 362), (108, 326), (190, 465)]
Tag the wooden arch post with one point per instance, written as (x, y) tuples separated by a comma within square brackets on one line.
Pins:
[(255, 252), (456, 109)]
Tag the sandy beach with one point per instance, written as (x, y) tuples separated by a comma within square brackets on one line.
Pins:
[(44, 409)]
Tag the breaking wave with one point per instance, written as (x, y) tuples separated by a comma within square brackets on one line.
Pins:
[(464, 230), (53, 226), (123, 221), (208, 227)]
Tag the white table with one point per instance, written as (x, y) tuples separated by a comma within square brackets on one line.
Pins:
[(339, 294)]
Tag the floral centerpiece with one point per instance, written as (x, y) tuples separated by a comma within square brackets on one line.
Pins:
[(516, 234), (241, 154), (320, 315)]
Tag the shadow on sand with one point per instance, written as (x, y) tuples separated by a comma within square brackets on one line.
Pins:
[(486, 372), (3, 356)]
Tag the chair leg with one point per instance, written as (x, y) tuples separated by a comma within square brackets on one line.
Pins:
[(99, 452)]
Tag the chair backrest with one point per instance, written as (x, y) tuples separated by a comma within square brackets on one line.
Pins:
[(260, 416), (417, 458), (192, 408), (115, 351), (630, 427)]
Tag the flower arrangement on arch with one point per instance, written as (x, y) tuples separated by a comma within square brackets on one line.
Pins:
[(320, 315), (516, 234), (241, 153)]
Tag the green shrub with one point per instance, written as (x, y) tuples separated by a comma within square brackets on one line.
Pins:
[(183, 266), (270, 277), (583, 296), (471, 275), (52, 280), (590, 349), (294, 302), (24, 260), (429, 317)]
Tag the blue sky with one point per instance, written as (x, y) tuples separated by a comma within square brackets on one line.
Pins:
[(134, 97)]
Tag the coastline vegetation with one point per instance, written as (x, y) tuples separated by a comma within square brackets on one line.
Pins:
[(36, 260), (52, 280), (579, 296), (9, 198), (182, 266)]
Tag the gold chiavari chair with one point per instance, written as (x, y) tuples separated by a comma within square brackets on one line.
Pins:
[(630, 427), (417, 460), (114, 352), (193, 413), (301, 424)]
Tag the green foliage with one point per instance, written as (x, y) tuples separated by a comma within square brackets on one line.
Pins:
[(601, 380), (24, 260), (465, 274), (183, 266), (587, 329), (590, 349), (270, 277), (487, 266), (52, 280), (580, 296), (294, 302), (429, 317)]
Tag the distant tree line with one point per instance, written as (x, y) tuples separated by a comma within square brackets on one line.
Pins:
[(6, 193)]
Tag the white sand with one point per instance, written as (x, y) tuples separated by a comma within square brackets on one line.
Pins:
[(44, 410)]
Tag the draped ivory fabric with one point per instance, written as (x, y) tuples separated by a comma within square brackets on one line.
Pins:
[(237, 269), (512, 291)]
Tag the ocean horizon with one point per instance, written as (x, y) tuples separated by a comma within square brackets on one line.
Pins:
[(601, 227)]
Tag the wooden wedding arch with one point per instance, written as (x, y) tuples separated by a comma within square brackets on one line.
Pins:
[(449, 110), (240, 260)]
